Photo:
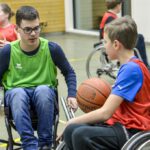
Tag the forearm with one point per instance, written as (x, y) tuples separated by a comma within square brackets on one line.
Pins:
[(92, 117), (102, 114), (71, 84)]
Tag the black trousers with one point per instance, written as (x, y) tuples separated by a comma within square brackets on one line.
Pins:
[(99, 137)]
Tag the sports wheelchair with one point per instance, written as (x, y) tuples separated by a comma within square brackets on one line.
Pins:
[(98, 64), (139, 141), (10, 125)]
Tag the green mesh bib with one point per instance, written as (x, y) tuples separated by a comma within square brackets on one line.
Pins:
[(30, 71)]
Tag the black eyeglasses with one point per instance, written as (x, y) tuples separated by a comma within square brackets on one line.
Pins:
[(28, 30)]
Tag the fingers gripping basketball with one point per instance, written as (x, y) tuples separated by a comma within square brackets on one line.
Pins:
[(92, 94)]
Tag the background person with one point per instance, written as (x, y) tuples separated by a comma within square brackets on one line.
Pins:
[(7, 29), (29, 76), (114, 8), (126, 110)]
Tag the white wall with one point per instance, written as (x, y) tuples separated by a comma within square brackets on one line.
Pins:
[(141, 14), (69, 20), (68, 15), (140, 10), (84, 14)]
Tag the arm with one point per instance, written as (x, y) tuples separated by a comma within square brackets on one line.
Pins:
[(62, 63), (128, 83), (4, 60), (100, 115)]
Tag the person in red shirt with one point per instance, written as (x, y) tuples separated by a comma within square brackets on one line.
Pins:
[(7, 29), (126, 110), (114, 8)]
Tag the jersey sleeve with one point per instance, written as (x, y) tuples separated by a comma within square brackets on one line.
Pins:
[(129, 81), (4, 60), (64, 66)]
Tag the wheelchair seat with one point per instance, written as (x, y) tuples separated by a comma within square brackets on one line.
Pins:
[(9, 122)]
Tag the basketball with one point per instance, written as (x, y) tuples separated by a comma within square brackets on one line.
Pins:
[(92, 94)]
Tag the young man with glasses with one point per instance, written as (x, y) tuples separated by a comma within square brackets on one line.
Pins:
[(28, 74)]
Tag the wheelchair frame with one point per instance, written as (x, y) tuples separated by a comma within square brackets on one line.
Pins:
[(69, 114), (106, 66), (9, 122), (136, 142)]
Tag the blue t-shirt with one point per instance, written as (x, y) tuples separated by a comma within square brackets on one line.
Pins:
[(128, 82)]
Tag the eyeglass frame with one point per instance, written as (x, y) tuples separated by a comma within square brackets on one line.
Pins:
[(38, 28)]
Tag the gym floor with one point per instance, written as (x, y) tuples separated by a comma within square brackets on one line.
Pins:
[(76, 47)]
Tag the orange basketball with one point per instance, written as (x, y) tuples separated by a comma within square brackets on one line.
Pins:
[(92, 94)]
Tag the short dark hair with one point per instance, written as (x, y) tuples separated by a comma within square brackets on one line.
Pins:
[(111, 4), (7, 10), (123, 29), (26, 13)]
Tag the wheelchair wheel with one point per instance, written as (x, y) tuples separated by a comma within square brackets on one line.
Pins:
[(141, 141), (96, 59), (98, 64)]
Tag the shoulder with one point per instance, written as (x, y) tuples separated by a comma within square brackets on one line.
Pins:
[(130, 68), (130, 72), (54, 47), (128, 82), (5, 51)]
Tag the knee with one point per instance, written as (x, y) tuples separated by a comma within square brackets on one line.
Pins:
[(16, 92), (68, 132), (44, 95), (16, 95), (43, 90), (79, 137)]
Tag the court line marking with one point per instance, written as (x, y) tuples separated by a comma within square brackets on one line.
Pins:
[(4, 145), (76, 59)]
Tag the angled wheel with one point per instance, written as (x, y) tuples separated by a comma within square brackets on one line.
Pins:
[(140, 141), (95, 60), (98, 64)]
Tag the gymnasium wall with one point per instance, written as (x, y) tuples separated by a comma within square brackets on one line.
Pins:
[(140, 12), (51, 12), (99, 8)]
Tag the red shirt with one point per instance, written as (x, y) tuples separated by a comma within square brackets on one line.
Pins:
[(136, 115), (8, 33), (107, 17)]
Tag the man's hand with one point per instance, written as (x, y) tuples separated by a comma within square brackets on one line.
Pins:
[(72, 103)]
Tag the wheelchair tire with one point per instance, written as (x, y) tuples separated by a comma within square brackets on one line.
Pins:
[(96, 59), (138, 142), (98, 64)]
